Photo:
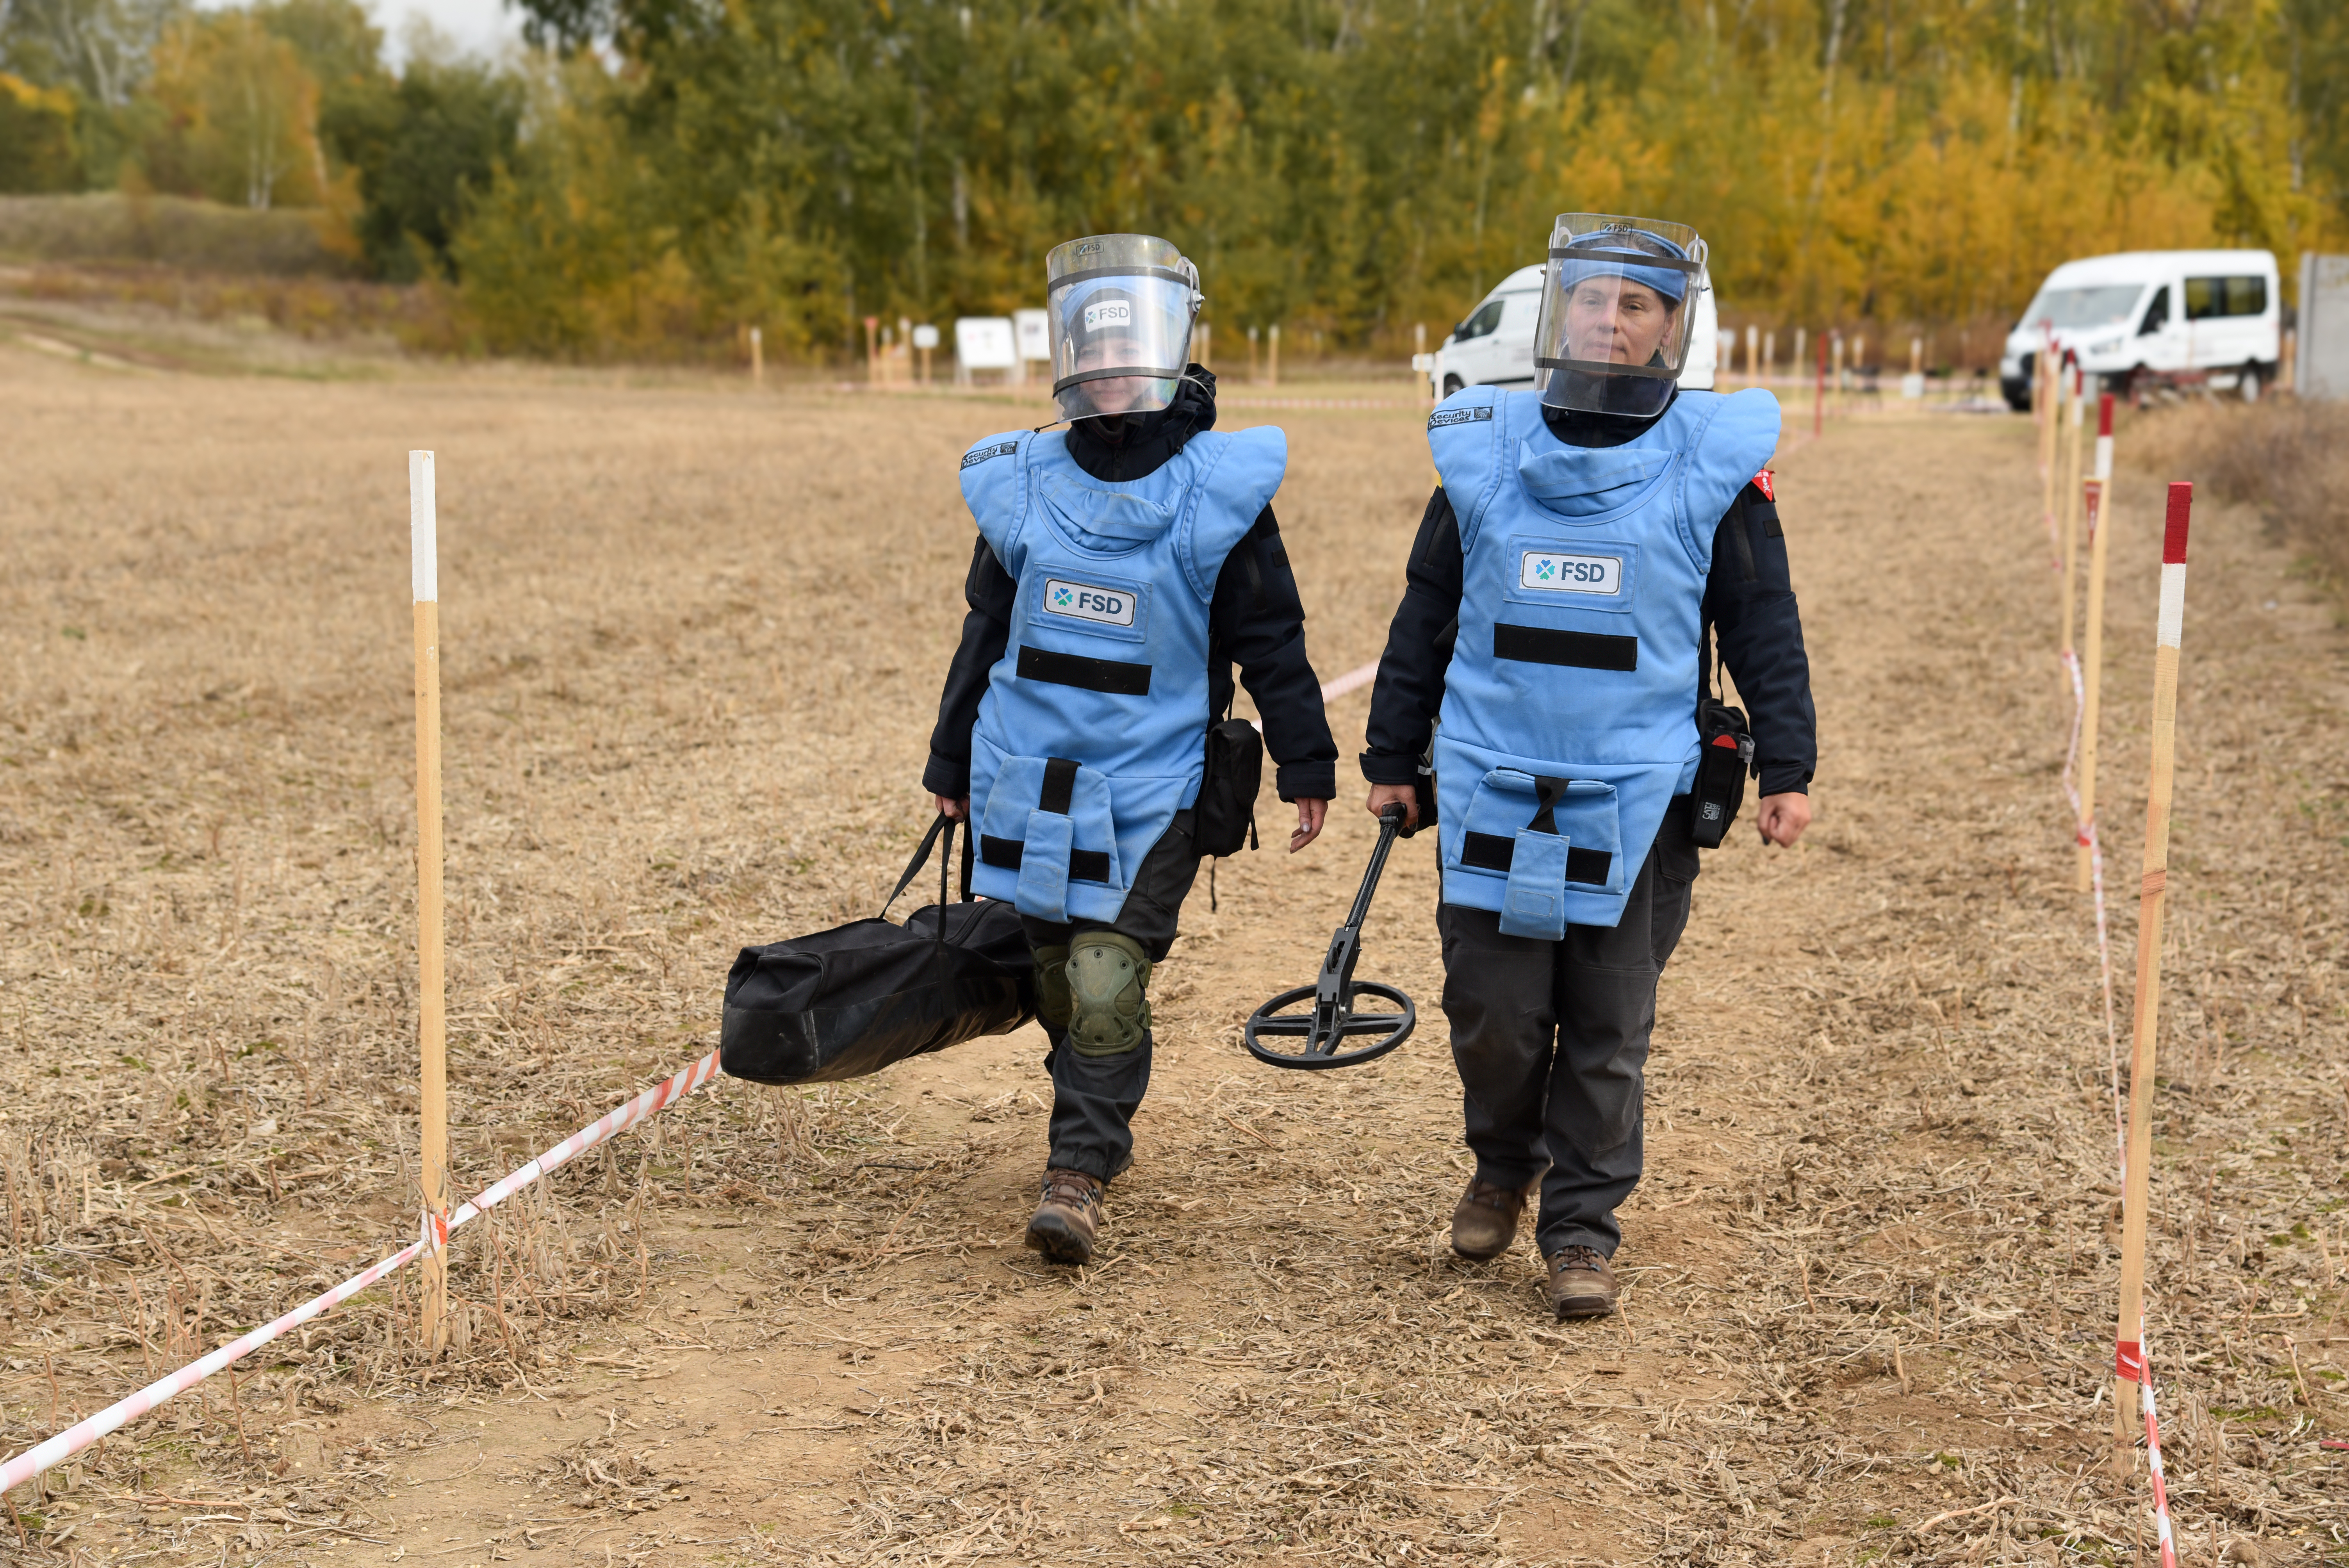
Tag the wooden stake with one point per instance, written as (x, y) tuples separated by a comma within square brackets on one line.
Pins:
[(1818, 387), (2128, 1360), (1272, 356), (431, 1022), (2099, 506), (758, 358)]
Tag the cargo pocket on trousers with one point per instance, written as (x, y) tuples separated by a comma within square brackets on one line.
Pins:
[(1609, 1068)]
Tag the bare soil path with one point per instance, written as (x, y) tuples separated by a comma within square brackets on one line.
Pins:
[(693, 640)]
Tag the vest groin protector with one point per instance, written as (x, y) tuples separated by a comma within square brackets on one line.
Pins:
[(1119, 313), (1569, 708), (1093, 730), (1613, 335)]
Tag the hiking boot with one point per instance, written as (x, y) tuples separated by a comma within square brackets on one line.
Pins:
[(1068, 1219), (1580, 1284), (1486, 1220)]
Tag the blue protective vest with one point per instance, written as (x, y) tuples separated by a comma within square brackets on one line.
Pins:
[(1569, 708), (1093, 730)]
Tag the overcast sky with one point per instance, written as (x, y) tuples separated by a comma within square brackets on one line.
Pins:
[(475, 26)]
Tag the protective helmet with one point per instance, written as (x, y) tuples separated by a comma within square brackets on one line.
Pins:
[(1615, 312), (1121, 308)]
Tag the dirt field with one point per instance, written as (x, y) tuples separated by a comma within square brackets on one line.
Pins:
[(693, 639)]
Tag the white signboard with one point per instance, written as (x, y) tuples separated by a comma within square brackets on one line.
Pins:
[(984, 343), (2321, 369), (1035, 338), (925, 337)]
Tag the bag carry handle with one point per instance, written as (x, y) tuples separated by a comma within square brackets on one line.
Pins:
[(946, 825)]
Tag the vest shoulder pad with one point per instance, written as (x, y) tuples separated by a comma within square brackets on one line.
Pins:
[(1466, 436), (1240, 470), (994, 477), (1739, 432)]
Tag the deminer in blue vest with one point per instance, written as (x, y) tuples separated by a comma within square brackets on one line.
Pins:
[(1587, 539), (1123, 566)]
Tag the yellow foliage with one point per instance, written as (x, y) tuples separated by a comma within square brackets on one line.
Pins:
[(243, 116)]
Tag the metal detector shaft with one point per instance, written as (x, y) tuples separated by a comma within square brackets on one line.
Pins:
[(1333, 990)]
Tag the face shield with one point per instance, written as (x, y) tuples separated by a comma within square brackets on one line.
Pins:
[(1120, 308), (1618, 301)]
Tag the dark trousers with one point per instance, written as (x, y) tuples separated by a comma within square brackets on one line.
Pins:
[(1551, 1042), (1095, 1098)]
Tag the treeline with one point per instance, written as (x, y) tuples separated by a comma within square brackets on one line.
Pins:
[(1345, 167), (282, 104)]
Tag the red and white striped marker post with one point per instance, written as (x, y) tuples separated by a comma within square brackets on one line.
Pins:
[(2128, 1359), (2098, 498), (431, 1004)]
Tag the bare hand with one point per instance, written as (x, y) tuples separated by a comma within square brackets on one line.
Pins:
[(1404, 795), (1310, 816), (1784, 818), (952, 809)]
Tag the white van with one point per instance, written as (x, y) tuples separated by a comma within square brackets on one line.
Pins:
[(2205, 318), (1495, 346)]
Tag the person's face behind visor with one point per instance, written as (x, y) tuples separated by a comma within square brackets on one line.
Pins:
[(1113, 395), (1615, 321)]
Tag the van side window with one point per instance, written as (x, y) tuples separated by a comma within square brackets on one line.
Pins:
[(2157, 315), (1488, 317), (2208, 297)]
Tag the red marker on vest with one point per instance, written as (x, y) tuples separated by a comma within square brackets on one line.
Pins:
[(1761, 483)]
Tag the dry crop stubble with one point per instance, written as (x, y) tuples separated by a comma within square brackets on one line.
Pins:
[(693, 644)]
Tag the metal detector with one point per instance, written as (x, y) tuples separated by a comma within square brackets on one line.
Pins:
[(1323, 1035)]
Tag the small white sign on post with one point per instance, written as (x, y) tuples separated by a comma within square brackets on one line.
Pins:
[(1035, 335), (925, 337), (984, 342)]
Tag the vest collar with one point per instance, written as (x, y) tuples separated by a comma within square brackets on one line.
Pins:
[(1099, 515), (1590, 481)]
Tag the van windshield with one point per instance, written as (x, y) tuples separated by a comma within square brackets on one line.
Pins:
[(2105, 305)]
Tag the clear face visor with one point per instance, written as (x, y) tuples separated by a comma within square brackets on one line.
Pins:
[(1619, 299), (1119, 311)]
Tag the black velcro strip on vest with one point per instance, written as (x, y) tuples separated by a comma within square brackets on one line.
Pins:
[(1495, 853), (1059, 785), (1546, 645), (1004, 854), (1114, 676)]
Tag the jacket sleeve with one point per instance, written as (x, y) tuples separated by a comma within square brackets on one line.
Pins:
[(990, 593), (1409, 689), (1749, 600), (1258, 622)]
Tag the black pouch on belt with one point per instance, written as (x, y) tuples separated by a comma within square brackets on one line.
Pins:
[(1725, 762), (1226, 822)]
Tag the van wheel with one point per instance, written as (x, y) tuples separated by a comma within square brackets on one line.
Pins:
[(2247, 385), (1452, 384)]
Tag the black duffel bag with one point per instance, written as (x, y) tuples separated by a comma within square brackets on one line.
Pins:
[(842, 1002)]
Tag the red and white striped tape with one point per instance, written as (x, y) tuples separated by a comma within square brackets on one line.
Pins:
[(55, 1450)]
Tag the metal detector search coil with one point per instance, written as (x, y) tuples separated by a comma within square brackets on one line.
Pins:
[(1325, 1032)]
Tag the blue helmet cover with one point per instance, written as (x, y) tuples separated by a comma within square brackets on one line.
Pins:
[(1610, 257)]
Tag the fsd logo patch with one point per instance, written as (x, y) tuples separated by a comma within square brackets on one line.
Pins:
[(1113, 606), (1571, 573)]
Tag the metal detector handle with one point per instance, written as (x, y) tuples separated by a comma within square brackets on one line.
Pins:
[(1333, 991)]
